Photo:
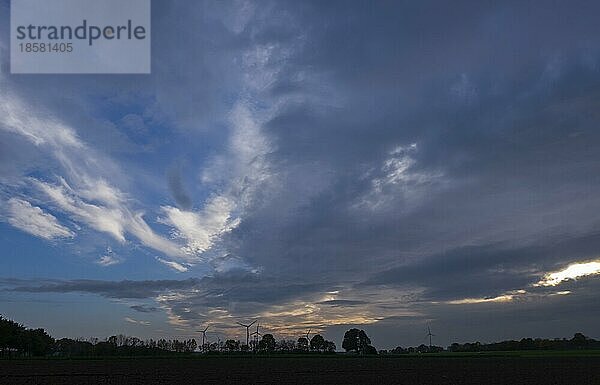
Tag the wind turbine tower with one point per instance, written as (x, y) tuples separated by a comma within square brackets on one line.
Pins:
[(203, 336), (247, 330), (429, 335), (256, 335)]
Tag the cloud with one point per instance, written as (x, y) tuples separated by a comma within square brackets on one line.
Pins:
[(178, 190), (33, 220), (573, 271), (104, 219), (173, 265), (90, 187), (109, 289), (144, 309), (108, 259), (113, 218), (202, 229), (500, 298), (39, 130), (87, 196), (342, 302), (83, 191), (396, 182), (486, 271), (134, 321)]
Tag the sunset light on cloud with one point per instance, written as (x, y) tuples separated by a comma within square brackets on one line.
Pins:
[(573, 271)]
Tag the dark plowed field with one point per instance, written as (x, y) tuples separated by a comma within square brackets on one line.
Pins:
[(301, 370)]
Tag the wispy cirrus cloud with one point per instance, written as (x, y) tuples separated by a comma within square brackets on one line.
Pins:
[(178, 267), (82, 191), (33, 220)]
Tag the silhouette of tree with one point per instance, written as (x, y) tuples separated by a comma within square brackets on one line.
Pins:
[(579, 340), (302, 344), (358, 341), (68, 347), (232, 345), (369, 349), (350, 341), (399, 350), (38, 342), (104, 348), (267, 344), (317, 343), (15, 339), (286, 346), (329, 346), (10, 336)]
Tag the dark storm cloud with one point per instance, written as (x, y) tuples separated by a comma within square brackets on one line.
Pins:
[(483, 271), (507, 127), (500, 100)]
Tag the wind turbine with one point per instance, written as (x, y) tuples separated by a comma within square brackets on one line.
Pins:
[(203, 336), (307, 336), (247, 330), (256, 334), (429, 335)]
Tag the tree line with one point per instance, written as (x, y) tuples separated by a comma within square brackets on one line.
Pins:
[(578, 341), (18, 341)]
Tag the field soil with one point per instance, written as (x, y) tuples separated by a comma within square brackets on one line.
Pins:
[(306, 370)]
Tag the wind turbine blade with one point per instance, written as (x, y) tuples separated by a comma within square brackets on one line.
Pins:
[(251, 323)]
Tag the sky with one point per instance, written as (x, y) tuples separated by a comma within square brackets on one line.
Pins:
[(386, 165)]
